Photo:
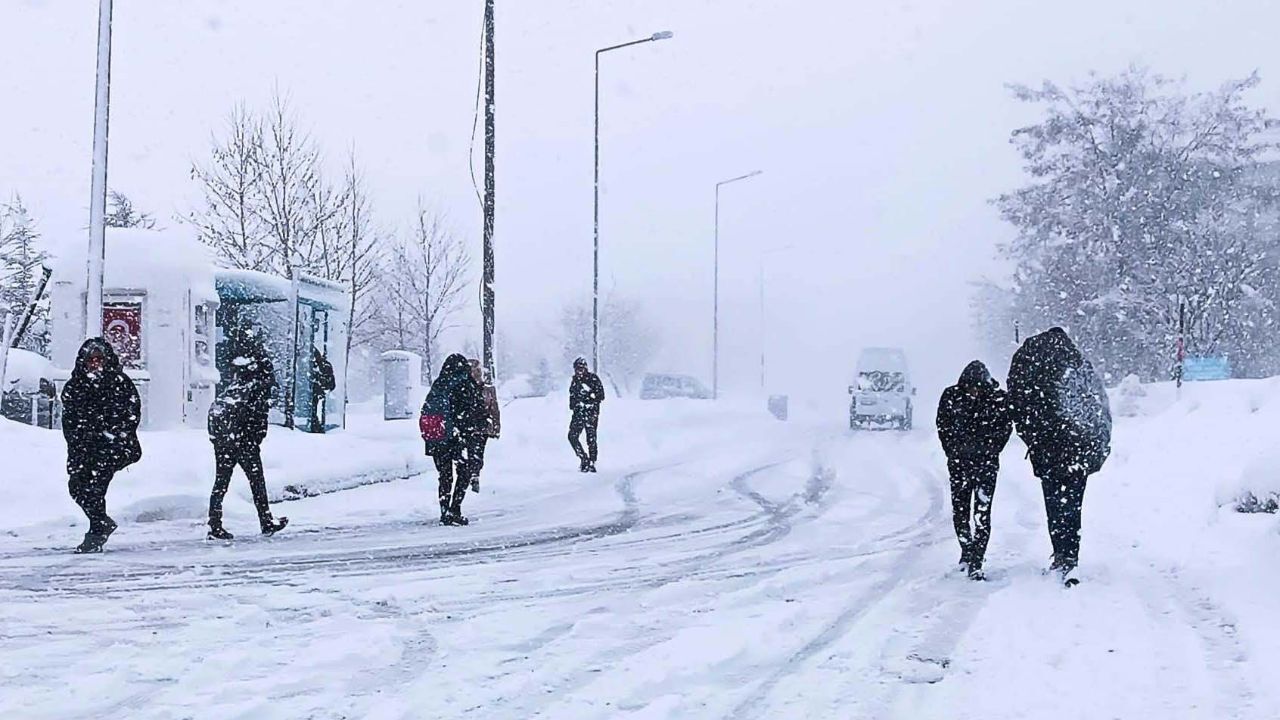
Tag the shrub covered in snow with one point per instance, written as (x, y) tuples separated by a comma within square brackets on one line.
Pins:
[(1130, 394)]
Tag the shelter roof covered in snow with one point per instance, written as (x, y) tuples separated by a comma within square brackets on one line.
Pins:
[(138, 258)]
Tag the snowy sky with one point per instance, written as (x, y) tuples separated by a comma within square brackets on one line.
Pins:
[(882, 129)]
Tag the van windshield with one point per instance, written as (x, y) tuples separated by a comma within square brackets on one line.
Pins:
[(882, 381)]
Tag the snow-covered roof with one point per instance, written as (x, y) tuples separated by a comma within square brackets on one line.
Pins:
[(140, 259), (253, 286), (23, 371)]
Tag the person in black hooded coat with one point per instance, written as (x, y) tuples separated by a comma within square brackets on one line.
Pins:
[(974, 425), (237, 428), (457, 397), (100, 415), (1062, 413)]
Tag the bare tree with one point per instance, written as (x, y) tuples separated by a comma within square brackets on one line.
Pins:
[(423, 288), (229, 220), (294, 203), (628, 341), (122, 214), (20, 262)]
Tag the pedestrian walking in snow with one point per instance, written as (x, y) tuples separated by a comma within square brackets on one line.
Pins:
[(322, 382), (586, 393), (974, 424), (100, 415), (452, 416), (237, 427), (491, 424), (1062, 413)]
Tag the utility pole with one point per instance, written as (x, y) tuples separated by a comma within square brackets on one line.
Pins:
[(487, 297), (98, 193)]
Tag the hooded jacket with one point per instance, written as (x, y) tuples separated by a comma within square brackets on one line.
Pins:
[(1059, 405), (239, 416), (100, 413), (974, 421), (586, 393), (457, 396)]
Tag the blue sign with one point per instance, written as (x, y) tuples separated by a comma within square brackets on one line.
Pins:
[(1196, 369)]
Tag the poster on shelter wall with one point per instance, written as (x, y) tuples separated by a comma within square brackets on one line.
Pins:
[(122, 328)]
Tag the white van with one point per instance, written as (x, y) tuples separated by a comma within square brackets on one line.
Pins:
[(882, 391)]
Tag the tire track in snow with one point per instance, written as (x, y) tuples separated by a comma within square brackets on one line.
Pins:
[(778, 525), (908, 544)]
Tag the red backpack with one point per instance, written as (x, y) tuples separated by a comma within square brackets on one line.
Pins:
[(432, 427)]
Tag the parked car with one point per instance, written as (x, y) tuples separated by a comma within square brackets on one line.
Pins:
[(882, 391), (661, 387)]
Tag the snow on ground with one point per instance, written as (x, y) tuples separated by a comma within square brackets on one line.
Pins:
[(721, 565)]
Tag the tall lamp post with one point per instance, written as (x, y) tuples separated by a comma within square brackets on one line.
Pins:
[(595, 275), (98, 194), (715, 315)]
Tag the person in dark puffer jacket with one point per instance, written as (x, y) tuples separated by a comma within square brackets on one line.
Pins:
[(1062, 413), (974, 425), (101, 411)]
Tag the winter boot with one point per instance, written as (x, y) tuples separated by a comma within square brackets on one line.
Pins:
[(92, 543), (584, 466), (591, 466), (975, 571), (271, 527), (455, 519), (217, 532)]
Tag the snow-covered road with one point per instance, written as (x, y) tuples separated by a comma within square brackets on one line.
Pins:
[(798, 574)]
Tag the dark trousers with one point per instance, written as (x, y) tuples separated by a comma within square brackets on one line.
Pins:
[(89, 489), (475, 454), (455, 476), (249, 458), (973, 487), (584, 421), (1063, 502)]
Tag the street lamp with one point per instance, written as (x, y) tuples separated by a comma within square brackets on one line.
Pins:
[(595, 275), (715, 332)]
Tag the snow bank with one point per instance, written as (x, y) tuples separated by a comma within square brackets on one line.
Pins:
[(1235, 421), (173, 480)]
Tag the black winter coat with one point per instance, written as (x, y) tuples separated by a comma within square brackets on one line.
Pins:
[(100, 413), (974, 421), (1059, 405), (322, 379), (457, 396), (586, 393), (239, 416)]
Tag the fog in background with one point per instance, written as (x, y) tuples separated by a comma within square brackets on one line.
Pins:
[(881, 127)]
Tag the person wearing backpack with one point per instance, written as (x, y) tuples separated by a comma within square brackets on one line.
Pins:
[(451, 416), (974, 426), (100, 415), (1062, 413)]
